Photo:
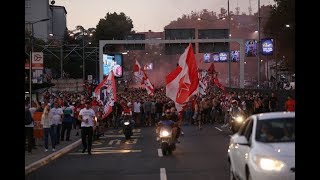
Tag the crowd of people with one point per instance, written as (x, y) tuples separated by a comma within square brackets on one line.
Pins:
[(63, 111)]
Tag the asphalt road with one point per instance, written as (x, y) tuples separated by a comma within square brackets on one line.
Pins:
[(201, 155)]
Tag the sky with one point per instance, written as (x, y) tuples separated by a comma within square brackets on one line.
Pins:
[(146, 15)]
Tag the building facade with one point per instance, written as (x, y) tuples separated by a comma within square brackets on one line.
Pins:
[(36, 10)]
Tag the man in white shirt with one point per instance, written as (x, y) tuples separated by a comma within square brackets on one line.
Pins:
[(136, 111), (57, 116), (86, 116)]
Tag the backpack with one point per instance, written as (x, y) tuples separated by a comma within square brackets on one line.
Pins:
[(27, 117)]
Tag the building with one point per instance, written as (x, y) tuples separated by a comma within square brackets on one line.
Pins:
[(58, 21), (36, 10)]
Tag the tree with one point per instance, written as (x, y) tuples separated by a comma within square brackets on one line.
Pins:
[(113, 26), (282, 14)]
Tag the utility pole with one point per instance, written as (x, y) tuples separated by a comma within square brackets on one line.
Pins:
[(259, 45), (61, 59), (229, 62), (30, 65), (83, 58)]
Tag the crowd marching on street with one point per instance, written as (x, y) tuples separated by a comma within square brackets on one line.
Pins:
[(63, 111)]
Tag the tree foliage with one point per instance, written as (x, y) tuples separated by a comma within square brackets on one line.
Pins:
[(113, 26), (283, 13)]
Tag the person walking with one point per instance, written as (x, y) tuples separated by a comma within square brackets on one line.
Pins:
[(290, 104), (28, 126), (86, 116), (48, 129), (66, 122), (57, 116)]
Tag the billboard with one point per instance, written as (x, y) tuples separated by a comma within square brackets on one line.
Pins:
[(215, 57), (235, 55), (207, 57), (223, 56), (113, 62), (251, 48), (267, 46)]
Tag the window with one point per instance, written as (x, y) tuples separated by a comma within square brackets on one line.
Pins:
[(276, 130), (28, 4)]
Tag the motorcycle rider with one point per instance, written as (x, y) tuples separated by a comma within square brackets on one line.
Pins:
[(127, 115), (234, 110), (167, 120)]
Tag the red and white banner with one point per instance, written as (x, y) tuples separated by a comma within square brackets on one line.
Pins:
[(203, 82), (183, 82), (217, 82), (106, 94), (142, 78)]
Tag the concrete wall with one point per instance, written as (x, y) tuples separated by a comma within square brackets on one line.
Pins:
[(69, 85)]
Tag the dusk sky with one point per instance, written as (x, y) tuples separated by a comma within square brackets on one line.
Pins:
[(145, 14)]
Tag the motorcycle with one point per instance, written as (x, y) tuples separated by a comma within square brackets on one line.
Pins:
[(167, 142), (127, 128), (236, 122)]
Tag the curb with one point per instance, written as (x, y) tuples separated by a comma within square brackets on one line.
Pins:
[(31, 167)]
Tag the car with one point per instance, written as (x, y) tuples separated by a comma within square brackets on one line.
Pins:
[(264, 148)]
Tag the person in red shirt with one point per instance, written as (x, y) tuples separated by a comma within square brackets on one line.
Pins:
[(94, 102), (290, 104)]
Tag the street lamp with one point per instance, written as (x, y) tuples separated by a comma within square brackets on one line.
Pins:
[(31, 54)]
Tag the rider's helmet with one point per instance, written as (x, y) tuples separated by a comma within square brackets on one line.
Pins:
[(234, 102)]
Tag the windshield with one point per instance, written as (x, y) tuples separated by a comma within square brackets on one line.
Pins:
[(276, 130)]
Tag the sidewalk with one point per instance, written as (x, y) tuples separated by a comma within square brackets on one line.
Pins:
[(38, 157)]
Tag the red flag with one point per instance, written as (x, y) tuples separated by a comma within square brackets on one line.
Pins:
[(212, 69), (106, 93), (142, 77), (183, 82), (216, 82)]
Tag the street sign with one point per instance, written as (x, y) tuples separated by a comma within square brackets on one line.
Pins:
[(37, 60)]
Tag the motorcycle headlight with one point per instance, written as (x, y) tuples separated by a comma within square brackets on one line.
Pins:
[(268, 164), (164, 133), (239, 119), (126, 123)]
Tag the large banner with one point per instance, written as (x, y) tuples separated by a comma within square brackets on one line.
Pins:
[(106, 93)]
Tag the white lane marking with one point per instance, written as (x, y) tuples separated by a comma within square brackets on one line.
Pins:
[(93, 151), (218, 129), (163, 175), (114, 140), (110, 135), (160, 153)]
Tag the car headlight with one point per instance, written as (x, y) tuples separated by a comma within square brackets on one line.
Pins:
[(268, 164), (126, 123), (239, 119), (164, 133)]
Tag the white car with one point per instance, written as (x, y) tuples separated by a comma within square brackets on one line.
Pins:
[(264, 148)]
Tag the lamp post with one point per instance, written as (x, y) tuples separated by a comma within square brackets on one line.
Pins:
[(31, 55)]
